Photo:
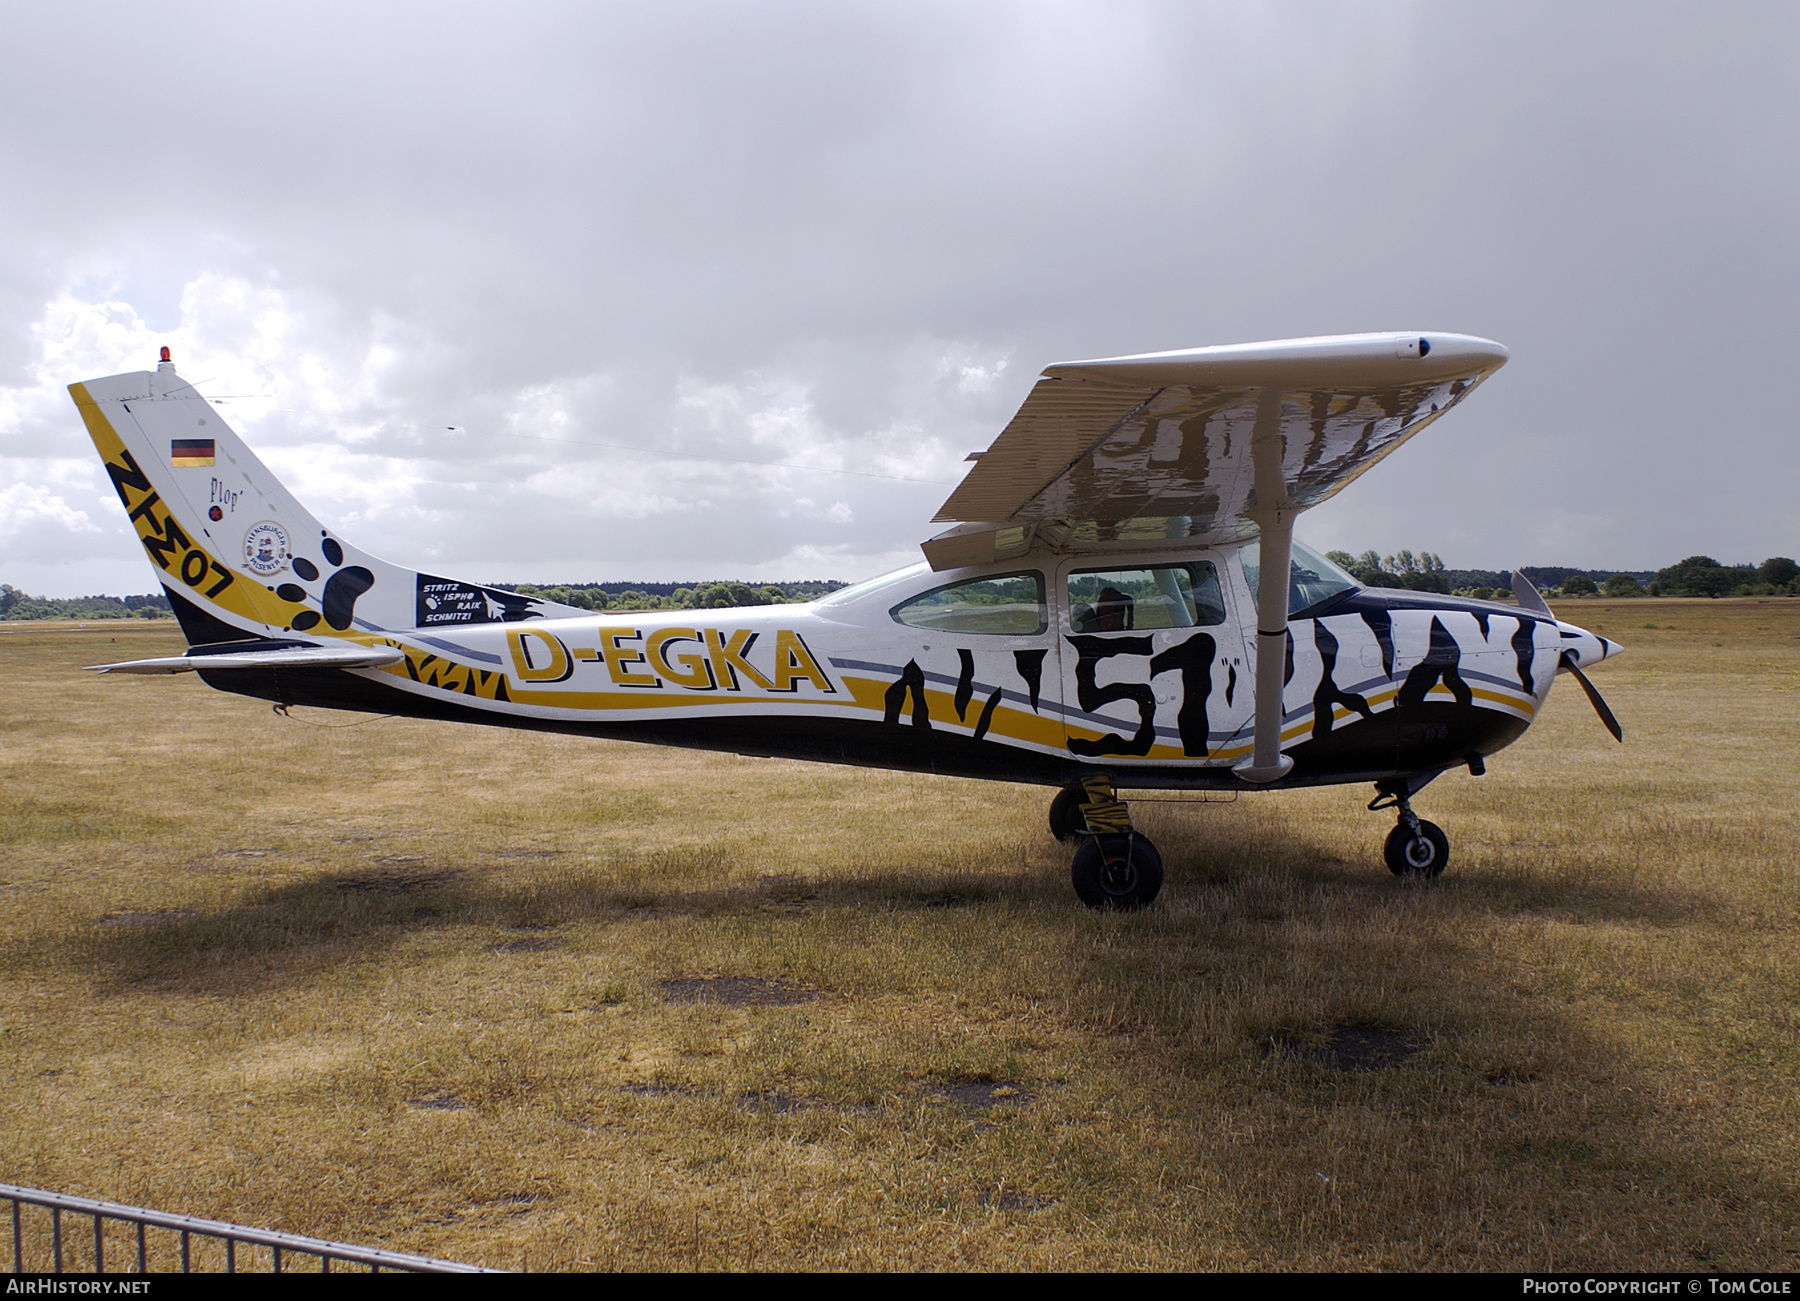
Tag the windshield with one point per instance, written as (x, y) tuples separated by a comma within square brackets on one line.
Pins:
[(869, 586), (1311, 578)]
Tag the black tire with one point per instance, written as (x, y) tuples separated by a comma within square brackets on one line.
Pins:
[(1117, 871), (1066, 821), (1426, 854)]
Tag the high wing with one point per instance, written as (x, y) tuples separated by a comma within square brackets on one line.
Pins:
[(1159, 446)]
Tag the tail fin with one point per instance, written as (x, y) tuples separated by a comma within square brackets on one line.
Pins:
[(238, 555)]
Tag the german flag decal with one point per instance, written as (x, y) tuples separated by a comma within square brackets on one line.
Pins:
[(190, 451)]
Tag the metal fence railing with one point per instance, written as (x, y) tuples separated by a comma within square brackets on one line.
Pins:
[(202, 1245)]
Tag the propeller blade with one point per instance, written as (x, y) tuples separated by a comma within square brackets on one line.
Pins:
[(1528, 597), (1594, 697)]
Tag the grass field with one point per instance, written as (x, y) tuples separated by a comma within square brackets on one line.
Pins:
[(457, 991)]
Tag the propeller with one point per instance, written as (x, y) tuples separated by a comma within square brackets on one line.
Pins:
[(1594, 697)]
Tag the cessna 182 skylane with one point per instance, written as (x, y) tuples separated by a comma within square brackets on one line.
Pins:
[(1119, 604)]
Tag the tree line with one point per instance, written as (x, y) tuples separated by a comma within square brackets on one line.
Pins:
[(15, 604), (1694, 576), (1423, 572), (718, 595)]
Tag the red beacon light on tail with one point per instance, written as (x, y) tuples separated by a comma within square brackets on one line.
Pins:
[(165, 354)]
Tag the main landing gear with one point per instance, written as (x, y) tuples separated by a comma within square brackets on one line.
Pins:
[(1414, 847), (1115, 866)]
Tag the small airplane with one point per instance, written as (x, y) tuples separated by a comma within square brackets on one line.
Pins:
[(1119, 604)]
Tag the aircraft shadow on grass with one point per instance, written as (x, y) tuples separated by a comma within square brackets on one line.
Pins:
[(286, 935)]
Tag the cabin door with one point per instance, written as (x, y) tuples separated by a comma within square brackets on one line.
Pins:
[(1153, 660)]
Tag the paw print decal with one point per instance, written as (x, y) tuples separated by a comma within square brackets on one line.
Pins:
[(337, 603)]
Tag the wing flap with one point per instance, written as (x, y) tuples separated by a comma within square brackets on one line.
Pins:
[(1061, 421)]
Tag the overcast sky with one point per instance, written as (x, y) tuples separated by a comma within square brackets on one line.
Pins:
[(623, 249)]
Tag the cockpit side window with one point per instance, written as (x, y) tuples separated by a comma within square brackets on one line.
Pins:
[(1154, 596), (1311, 579), (1010, 605)]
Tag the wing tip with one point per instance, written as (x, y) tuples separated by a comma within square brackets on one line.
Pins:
[(1382, 357)]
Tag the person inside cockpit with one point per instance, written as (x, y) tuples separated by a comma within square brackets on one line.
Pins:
[(1113, 611)]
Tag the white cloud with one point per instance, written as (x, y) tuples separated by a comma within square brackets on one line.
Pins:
[(35, 513), (847, 238)]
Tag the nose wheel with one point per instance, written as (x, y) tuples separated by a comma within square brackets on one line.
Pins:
[(1419, 850), (1414, 847), (1115, 866)]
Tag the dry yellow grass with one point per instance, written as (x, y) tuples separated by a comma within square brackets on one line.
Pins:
[(401, 983)]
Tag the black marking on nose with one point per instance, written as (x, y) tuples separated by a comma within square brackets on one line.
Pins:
[(1439, 665), (1381, 623), (341, 591), (1031, 668), (1524, 644), (306, 569), (1329, 692)]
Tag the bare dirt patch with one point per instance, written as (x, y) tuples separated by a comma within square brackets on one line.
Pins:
[(398, 880), (1012, 1199), (656, 1089), (1508, 1079), (533, 944), (775, 1103), (954, 899), (438, 1102), (1348, 1047), (736, 991), (982, 1094), (1366, 1048)]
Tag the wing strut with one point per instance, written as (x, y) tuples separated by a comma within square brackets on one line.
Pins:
[(1274, 514)]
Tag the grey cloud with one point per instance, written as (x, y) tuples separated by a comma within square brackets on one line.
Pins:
[(569, 219)]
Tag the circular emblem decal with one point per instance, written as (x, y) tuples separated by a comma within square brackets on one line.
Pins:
[(266, 549)]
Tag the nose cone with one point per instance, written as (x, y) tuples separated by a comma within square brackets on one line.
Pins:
[(1587, 647)]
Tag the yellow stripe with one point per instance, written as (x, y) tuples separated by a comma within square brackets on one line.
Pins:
[(868, 695)]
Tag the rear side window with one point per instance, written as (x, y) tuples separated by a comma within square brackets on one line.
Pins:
[(1156, 596), (1010, 605)]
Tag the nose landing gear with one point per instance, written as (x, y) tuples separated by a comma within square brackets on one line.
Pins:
[(1414, 847), (1115, 866)]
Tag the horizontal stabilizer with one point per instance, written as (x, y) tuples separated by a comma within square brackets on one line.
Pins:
[(287, 657)]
